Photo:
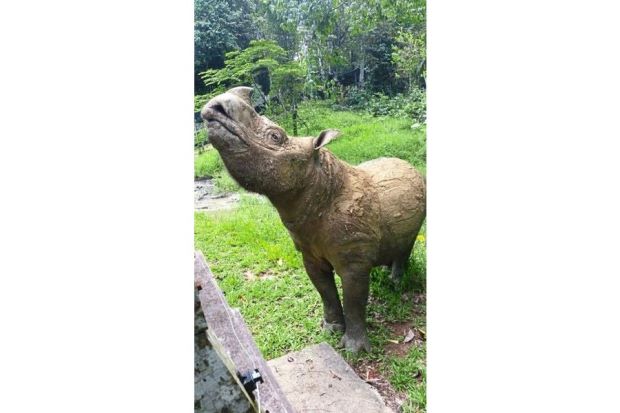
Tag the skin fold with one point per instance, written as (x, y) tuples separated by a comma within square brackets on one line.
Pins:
[(342, 218)]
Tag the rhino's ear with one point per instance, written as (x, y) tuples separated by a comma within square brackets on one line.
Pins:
[(325, 137)]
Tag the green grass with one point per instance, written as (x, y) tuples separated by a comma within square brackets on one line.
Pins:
[(257, 266), (408, 374), (208, 164), (363, 136)]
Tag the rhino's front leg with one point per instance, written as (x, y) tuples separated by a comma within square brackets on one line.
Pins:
[(321, 274), (355, 284)]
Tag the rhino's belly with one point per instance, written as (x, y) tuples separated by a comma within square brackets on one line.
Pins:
[(339, 239)]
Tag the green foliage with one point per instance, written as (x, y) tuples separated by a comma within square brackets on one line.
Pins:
[(411, 105), (279, 20), (220, 26), (200, 138), (355, 98), (409, 55), (243, 67), (288, 81), (200, 101), (264, 65), (376, 45)]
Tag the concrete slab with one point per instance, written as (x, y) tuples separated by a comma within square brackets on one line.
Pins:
[(317, 379)]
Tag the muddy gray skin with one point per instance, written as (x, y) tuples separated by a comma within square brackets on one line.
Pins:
[(340, 217)]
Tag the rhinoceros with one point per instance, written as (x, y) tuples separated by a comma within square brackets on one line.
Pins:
[(340, 217)]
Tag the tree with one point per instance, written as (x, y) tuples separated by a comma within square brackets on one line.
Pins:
[(266, 67), (288, 80), (246, 67), (373, 45), (219, 26), (409, 55)]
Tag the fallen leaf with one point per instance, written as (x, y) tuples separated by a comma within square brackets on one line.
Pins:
[(410, 336)]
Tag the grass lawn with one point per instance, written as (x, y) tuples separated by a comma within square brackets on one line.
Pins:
[(261, 273)]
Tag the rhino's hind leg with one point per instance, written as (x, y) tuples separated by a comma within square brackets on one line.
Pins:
[(399, 265), (322, 276)]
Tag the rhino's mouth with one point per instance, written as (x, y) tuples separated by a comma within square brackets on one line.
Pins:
[(221, 126)]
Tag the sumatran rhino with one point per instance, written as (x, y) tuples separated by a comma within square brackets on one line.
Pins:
[(341, 217)]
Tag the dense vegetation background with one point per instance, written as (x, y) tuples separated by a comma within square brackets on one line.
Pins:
[(357, 54)]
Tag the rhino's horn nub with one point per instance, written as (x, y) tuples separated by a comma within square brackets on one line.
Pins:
[(243, 92)]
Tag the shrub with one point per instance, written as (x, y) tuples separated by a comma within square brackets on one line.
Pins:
[(412, 105)]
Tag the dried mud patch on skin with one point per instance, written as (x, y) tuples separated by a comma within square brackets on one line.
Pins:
[(369, 371)]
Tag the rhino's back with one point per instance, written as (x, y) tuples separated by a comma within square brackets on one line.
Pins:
[(401, 191)]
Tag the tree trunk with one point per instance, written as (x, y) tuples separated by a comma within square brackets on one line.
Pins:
[(361, 67), (294, 118)]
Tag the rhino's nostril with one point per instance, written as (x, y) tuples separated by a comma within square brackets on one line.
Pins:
[(219, 108)]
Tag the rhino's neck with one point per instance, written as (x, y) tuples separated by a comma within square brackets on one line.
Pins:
[(324, 182)]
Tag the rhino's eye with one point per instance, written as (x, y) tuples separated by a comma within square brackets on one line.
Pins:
[(276, 138)]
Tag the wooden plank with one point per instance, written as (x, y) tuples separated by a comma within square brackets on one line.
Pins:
[(216, 386), (228, 326)]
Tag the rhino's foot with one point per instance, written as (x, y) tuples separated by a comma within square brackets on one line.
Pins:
[(355, 344), (335, 327)]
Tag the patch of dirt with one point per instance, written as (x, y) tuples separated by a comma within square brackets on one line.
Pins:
[(403, 336), (206, 198), (419, 304), (368, 371), (265, 275), (407, 334)]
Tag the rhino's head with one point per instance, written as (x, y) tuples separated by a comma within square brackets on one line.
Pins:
[(257, 152)]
